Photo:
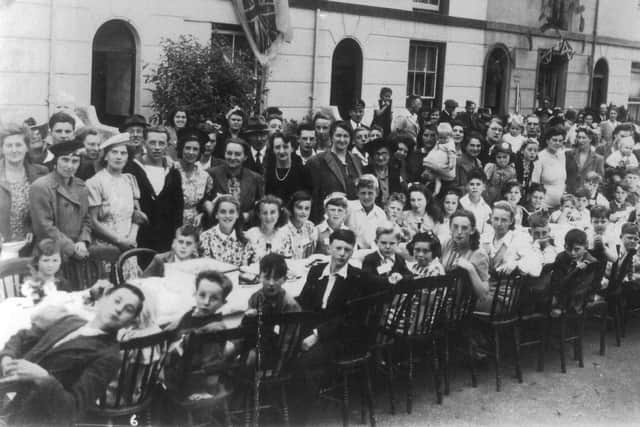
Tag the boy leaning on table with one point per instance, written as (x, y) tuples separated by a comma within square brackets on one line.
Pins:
[(184, 247)]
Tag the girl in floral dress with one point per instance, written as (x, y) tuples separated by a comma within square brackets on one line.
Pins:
[(304, 233), (197, 184)]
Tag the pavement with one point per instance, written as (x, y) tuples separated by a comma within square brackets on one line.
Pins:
[(606, 391)]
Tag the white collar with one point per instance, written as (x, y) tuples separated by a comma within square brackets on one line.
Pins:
[(342, 272), (324, 226), (262, 152)]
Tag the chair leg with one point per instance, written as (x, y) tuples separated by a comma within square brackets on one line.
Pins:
[(472, 365), (390, 377), (516, 343), (227, 413), (496, 341), (410, 380), (363, 411), (345, 399), (617, 322), (563, 362), (369, 395), (285, 405), (582, 321), (436, 372), (603, 330), (542, 346), (445, 365), (247, 406)]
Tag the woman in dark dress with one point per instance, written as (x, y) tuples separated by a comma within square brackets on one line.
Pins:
[(284, 172)]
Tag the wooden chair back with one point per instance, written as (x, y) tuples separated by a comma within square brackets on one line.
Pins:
[(144, 255), (506, 297), (12, 273), (460, 298), (142, 361)]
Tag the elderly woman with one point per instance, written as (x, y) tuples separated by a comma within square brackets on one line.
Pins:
[(583, 159), (197, 184), (114, 197), (225, 241), (16, 175), (551, 168)]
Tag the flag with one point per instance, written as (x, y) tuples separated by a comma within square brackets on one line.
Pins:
[(266, 25)]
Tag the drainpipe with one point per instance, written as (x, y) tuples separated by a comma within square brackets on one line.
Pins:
[(593, 53), (50, 77), (312, 97)]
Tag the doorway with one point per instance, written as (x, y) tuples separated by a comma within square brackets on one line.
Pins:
[(497, 73), (552, 79), (113, 72), (599, 84), (346, 76)]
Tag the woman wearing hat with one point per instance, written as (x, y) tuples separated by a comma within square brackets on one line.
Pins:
[(197, 184), (235, 121), (59, 205), (388, 174), (16, 175), (114, 197)]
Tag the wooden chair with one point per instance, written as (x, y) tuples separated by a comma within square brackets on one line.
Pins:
[(356, 357), (278, 343), (144, 255), (142, 361), (82, 274), (412, 320), (193, 396), (504, 315), (12, 273), (459, 305)]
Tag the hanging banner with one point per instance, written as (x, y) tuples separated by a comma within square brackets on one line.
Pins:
[(266, 24)]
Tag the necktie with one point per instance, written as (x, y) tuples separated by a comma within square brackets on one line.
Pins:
[(258, 163)]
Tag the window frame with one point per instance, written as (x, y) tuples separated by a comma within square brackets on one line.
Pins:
[(436, 99), (417, 4), (442, 8)]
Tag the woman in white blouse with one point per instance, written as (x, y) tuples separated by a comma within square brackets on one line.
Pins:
[(551, 168), (270, 233)]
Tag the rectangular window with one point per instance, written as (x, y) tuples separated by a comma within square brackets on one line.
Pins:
[(234, 41), (426, 67), (634, 92), (427, 4)]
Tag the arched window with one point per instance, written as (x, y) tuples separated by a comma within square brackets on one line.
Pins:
[(113, 74), (346, 75)]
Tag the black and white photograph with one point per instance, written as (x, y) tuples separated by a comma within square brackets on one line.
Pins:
[(319, 213)]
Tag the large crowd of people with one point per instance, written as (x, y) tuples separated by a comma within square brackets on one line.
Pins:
[(417, 192)]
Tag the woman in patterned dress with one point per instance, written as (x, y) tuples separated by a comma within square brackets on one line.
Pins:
[(16, 176), (225, 241), (197, 184), (304, 233)]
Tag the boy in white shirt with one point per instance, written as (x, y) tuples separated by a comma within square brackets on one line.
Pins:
[(473, 201)]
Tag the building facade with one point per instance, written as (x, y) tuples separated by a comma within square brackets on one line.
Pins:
[(490, 51)]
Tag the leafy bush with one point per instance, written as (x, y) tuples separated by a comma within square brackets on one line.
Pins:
[(200, 78)]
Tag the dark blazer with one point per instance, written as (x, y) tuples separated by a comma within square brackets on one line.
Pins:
[(356, 285), (576, 174), (372, 261), (251, 185), (327, 176), (396, 185), (250, 162), (164, 210), (79, 369), (87, 168), (32, 172)]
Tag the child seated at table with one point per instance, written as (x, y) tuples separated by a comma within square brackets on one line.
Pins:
[(567, 213), (335, 211), (582, 216), (627, 264), (385, 261), (45, 279), (602, 242), (274, 299), (592, 183), (620, 205), (575, 273), (535, 201), (211, 291), (184, 247)]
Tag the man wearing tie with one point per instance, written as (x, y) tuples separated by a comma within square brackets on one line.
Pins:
[(256, 134), (329, 287)]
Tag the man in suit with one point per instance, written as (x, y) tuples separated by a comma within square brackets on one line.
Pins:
[(256, 134), (449, 113), (61, 365)]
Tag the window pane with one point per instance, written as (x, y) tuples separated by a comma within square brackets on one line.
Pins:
[(421, 60), (409, 83), (430, 86), (419, 84), (412, 57), (432, 59)]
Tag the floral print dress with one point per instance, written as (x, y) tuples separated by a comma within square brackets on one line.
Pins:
[(19, 209), (195, 189)]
